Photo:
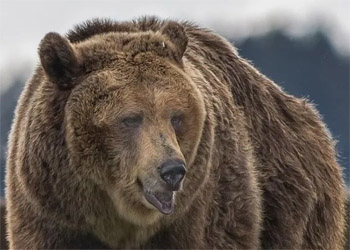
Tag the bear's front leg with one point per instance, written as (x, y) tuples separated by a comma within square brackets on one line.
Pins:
[(235, 215)]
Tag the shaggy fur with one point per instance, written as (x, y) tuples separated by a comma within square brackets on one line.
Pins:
[(3, 241), (261, 165)]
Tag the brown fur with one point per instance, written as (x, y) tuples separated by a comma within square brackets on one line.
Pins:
[(3, 241), (261, 166)]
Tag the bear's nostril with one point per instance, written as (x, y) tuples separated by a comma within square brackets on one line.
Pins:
[(172, 172)]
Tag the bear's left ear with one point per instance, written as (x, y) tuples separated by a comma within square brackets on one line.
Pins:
[(59, 60), (177, 35)]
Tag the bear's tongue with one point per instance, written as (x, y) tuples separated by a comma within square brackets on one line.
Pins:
[(163, 201)]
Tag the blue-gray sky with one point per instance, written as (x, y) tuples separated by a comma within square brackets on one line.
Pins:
[(24, 23)]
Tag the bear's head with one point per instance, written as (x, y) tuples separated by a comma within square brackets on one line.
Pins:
[(133, 119)]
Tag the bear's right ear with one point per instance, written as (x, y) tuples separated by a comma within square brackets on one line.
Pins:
[(59, 60), (177, 35)]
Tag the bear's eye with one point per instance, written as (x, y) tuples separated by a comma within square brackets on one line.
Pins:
[(132, 121), (176, 121)]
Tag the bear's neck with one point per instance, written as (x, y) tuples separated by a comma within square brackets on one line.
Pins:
[(119, 233)]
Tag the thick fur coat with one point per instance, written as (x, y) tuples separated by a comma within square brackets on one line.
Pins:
[(261, 165)]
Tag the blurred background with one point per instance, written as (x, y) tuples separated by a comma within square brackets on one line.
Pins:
[(303, 45)]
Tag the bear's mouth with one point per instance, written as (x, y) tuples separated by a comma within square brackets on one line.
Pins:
[(163, 201)]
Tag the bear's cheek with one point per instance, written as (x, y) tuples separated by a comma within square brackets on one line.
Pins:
[(112, 160), (188, 139), (122, 169)]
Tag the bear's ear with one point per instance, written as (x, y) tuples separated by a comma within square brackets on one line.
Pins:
[(177, 35), (59, 60)]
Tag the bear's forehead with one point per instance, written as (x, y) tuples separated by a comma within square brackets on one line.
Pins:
[(144, 72), (122, 49), (140, 78)]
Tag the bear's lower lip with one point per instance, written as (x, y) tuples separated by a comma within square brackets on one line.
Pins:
[(163, 201)]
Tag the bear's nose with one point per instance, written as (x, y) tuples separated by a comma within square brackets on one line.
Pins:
[(172, 172)]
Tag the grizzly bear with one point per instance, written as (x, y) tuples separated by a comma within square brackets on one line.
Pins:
[(157, 134)]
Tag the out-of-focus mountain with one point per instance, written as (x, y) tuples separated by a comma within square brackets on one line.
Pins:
[(305, 67)]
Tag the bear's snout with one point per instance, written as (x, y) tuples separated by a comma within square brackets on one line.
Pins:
[(172, 173)]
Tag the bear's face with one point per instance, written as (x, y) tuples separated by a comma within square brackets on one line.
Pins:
[(126, 129), (132, 129)]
